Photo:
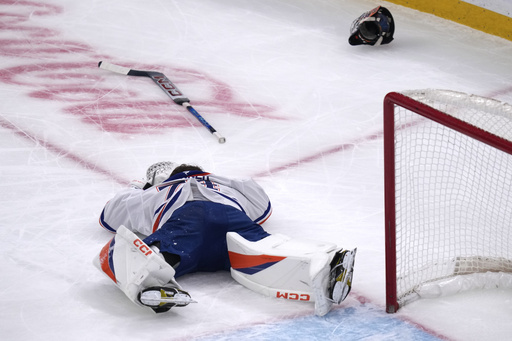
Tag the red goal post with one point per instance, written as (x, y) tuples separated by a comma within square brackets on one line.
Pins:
[(448, 194)]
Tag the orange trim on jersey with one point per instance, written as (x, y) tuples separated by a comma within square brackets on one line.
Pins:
[(106, 228), (240, 261), (264, 220), (157, 221), (200, 174)]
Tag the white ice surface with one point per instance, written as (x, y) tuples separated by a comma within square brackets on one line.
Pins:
[(302, 113)]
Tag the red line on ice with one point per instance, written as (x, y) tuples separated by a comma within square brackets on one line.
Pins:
[(339, 148), (61, 151), (349, 145)]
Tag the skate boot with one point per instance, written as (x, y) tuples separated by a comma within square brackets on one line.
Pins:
[(342, 269), (161, 299)]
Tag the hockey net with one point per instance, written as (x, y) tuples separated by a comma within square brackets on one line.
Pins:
[(448, 194)]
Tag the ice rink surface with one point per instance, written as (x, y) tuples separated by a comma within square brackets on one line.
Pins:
[(302, 113)]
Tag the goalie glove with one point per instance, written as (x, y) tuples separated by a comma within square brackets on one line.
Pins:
[(138, 184), (375, 27)]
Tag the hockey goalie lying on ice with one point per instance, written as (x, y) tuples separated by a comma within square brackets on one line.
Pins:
[(196, 221)]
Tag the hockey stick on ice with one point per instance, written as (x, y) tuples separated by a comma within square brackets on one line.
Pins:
[(168, 87)]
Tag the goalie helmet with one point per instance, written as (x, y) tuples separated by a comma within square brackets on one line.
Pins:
[(159, 172), (374, 27)]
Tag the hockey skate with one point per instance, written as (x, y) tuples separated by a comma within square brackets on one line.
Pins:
[(161, 299), (342, 269)]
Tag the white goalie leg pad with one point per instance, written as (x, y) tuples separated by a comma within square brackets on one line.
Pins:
[(133, 265), (283, 267)]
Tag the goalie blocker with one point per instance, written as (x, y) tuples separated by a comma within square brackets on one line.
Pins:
[(276, 266)]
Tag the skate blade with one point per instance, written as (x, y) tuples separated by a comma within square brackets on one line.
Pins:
[(177, 299), (343, 286)]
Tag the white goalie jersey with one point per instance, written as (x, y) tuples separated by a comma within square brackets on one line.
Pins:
[(144, 212)]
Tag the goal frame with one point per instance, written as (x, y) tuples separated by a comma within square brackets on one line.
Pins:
[(392, 100)]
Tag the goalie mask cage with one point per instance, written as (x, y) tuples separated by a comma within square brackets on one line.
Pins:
[(448, 194)]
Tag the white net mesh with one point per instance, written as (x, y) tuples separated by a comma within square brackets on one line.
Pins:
[(452, 192)]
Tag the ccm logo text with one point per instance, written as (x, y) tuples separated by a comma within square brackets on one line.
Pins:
[(293, 296), (142, 247), (167, 85)]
